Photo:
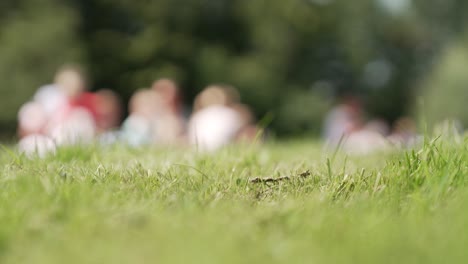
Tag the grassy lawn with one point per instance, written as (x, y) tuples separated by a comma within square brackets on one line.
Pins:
[(121, 205)]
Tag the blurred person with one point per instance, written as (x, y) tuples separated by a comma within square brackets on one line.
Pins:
[(342, 120), (404, 133), (379, 126), (137, 129), (170, 95), (368, 139), (72, 82), (168, 120), (108, 110), (50, 97), (213, 127), (74, 121), (63, 111), (168, 129), (344, 127), (32, 119), (78, 127), (217, 119), (34, 115), (216, 95)]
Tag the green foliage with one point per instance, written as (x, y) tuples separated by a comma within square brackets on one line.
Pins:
[(177, 206), (271, 50), (302, 111), (35, 39)]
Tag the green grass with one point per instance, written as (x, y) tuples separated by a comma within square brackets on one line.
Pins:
[(121, 205)]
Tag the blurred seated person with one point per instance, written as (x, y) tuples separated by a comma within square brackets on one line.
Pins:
[(34, 116), (169, 122), (137, 129), (108, 110), (32, 119), (74, 121), (218, 119), (342, 120), (404, 133), (77, 128), (367, 139), (344, 128), (71, 82), (62, 111), (170, 95), (50, 97)]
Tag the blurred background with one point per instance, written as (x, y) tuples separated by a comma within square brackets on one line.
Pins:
[(291, 61)]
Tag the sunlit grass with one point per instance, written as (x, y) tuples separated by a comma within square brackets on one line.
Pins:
[(121, 205)]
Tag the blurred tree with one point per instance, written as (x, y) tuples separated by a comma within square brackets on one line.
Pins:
[(129, 44), (282, 55), (265, 48)]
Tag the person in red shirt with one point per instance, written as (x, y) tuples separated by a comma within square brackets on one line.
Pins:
[(71, 81), (76, 118)]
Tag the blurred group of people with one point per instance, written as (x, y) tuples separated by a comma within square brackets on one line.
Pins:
[(345, 128), (218, 118), (66, 113)]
